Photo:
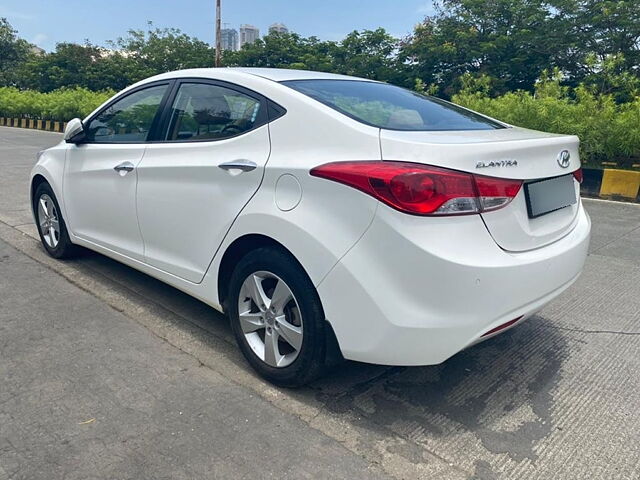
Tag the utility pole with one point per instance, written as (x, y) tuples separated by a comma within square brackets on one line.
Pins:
[(218, 37)]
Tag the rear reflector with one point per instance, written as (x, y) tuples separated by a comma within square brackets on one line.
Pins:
[(422, 189), (502, 327), (578, 175)]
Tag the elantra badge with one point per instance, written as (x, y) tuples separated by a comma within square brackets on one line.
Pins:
[(498, 163), (564, 159)]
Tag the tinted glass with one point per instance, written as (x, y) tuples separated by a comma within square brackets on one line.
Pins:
[(128, 119), (209, 112), (387, 106)]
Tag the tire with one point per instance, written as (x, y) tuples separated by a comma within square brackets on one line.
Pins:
[(48, 215), (294, 325)]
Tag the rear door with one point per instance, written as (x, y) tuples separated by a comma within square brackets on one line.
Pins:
[(194, 180)]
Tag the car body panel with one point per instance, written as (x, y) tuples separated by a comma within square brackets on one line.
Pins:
[(534, 152), (186, 203), (101, 202), (514, 231), (527, 155), (397, 288), (50, 166), (419, 292)]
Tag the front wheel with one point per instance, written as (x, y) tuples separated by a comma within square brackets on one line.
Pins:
[(277, 317), (51, 226)]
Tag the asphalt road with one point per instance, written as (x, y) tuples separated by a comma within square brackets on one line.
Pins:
[(167, 394)]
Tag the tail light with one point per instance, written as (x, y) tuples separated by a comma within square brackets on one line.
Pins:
[(422, 189), (578, 175)]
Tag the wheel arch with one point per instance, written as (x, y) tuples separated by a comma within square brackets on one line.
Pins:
[(37, 180), (247, 243), (49, 169), (238, 249)]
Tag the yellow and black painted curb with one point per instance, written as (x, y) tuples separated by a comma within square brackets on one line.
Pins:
[(609, 183), (612, 184), (48, 125)]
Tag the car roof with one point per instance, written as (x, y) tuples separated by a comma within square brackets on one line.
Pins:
[(274, 74), (283, 74)]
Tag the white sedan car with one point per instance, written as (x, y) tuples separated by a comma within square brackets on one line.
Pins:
[(328, 216)]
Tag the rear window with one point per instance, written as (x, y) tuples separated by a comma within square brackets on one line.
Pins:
[(387, 106)]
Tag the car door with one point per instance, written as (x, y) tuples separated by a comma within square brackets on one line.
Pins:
[(193, 184), (100, 175)]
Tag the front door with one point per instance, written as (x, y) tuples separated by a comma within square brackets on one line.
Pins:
[(100, 175), (192, 185)]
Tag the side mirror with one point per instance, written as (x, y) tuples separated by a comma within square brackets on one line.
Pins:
[(74, 132)]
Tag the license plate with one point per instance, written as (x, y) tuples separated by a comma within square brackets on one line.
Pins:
[(546, 196)]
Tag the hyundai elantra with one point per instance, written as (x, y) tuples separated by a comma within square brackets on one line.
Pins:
[(328, 216)]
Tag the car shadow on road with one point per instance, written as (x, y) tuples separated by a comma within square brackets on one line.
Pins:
[(500, 391)]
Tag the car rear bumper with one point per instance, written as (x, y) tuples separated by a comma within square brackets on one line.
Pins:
[(415, 290)]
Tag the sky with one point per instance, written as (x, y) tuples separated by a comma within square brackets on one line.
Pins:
[(46, 22)]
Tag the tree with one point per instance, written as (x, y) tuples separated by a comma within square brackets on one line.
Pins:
[(70, 65), (605, 31), (139, 55), (161, 50), (284, 50), (13, 52), (370, 54), (512, 41)]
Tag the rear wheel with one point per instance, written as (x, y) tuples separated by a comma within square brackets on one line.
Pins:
[(277, 317), (51, 226)]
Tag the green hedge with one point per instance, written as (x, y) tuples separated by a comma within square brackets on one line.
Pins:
[(608, 131), (59, 105)]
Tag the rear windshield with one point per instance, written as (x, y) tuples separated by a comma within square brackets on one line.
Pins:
[(390, 107)]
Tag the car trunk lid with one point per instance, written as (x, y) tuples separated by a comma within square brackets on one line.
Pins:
[(515, 153)]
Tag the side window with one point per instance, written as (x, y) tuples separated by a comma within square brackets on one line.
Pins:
[(202, 111), (128, 119)]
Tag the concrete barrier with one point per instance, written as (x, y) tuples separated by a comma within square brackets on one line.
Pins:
[(620, 184)]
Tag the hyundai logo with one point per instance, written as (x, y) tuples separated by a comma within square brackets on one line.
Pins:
[(564, 158)]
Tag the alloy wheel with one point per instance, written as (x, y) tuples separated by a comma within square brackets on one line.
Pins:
[(270, 319), (48, 221)]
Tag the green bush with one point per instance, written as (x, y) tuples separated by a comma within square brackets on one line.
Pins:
[(59, 105), (608, 131)]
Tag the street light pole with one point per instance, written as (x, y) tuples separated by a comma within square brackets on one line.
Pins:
[(218, 38)]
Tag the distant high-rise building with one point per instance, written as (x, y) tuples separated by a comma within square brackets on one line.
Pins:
[(229, 39), (37, 50), (248, 34), (278, 28)]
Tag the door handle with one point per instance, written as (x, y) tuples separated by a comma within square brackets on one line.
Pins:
[(124, 168), (243, 165)]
